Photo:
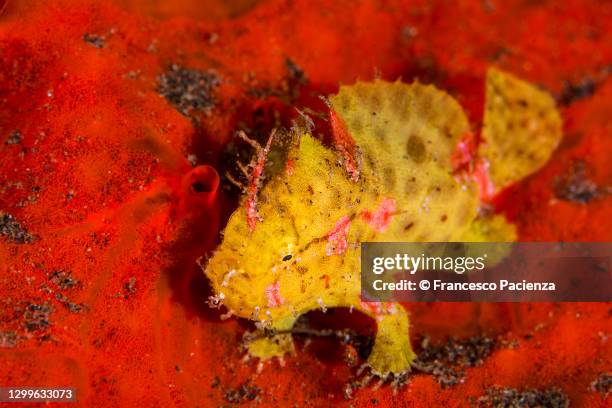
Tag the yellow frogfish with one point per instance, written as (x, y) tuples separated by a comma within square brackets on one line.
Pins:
[(401, 170)]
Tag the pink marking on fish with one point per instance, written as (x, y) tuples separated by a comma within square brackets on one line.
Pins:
[(379, 308), (259, 164), (336, 239), (480, 175), (467, 166), (273, 296), (289, 167), (344, 142), (464, 153), (380, 219)]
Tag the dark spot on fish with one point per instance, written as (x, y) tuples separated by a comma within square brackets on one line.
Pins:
[(389, 178), (416, 149)]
